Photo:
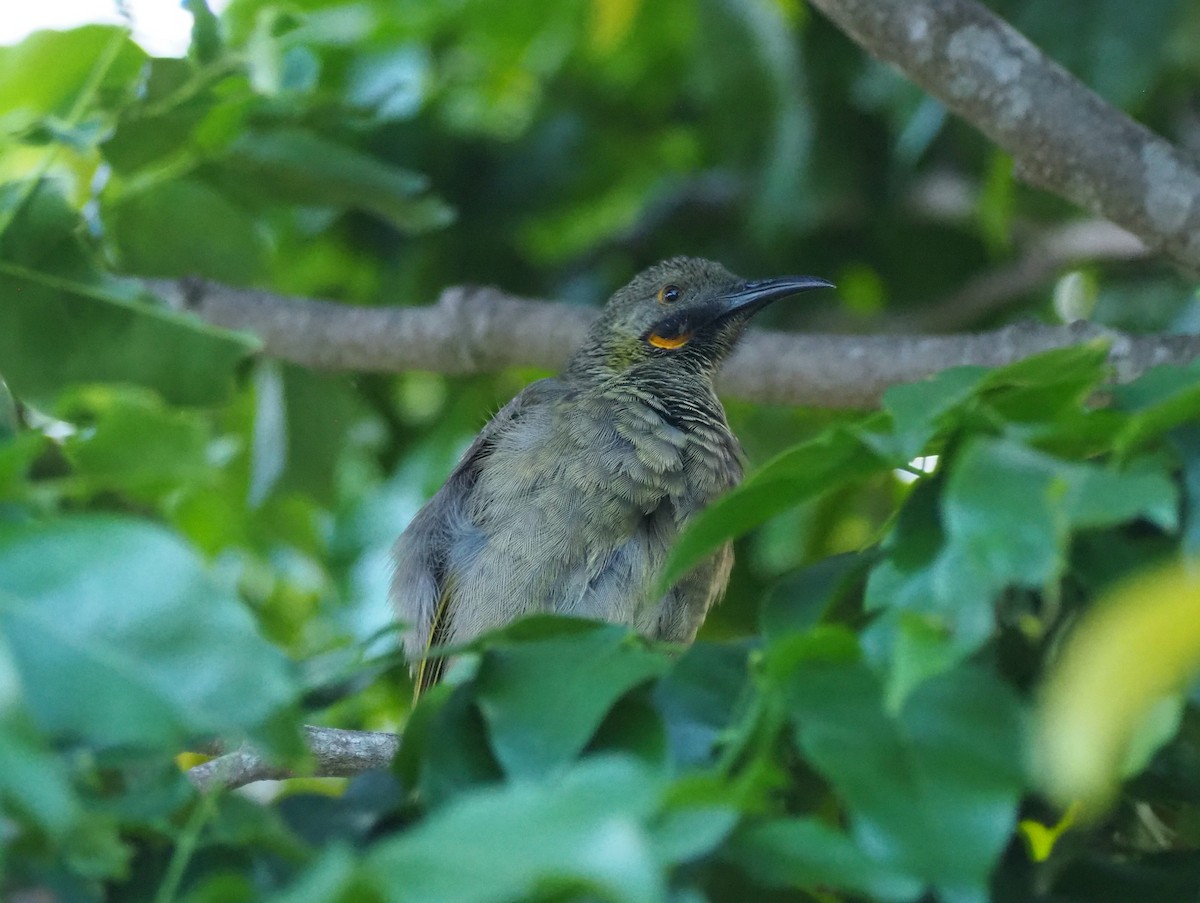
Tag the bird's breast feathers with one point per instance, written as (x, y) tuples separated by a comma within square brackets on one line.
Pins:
[(572, 506)]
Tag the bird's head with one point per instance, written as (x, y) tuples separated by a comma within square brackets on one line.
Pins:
[(684, 313)]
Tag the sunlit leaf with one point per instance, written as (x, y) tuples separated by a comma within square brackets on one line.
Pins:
[(1140, 644), (611, 21), (51, 72)]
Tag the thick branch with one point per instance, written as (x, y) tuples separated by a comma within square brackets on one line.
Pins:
[(1063, 137), (484, 330), (337, 754)]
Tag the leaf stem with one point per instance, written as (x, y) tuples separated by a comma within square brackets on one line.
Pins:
[(185, 847)]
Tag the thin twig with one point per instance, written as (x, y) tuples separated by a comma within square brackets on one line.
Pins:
[(336, 753), (1046, 256)]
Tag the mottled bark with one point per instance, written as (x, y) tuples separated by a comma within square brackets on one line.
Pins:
[(1063, 137), (336, 753), (478, 330)]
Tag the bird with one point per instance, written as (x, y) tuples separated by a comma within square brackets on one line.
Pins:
[(569, 500)]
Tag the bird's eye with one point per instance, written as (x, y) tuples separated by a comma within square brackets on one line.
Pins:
[(669, 294)]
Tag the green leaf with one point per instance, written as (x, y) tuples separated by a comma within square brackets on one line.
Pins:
[(45, 232), (539, 725), (1159, 401), (996, 203), (172, 128), (9, 423), (1043, 389), (1187, 441), (36, 791), (840, 455), (53, 72), (305, 168), (808, 854), (33, 781), (585, 831), (333, 877), (55, 333), (120, 638), (444, 751), (18, 448), (802, 598), (94, 847), (1156, 386), (931, 792), (392, 83), (698, 699), (205, 46), (320, 411), (902, 579), (1004, 518), (269, 446), (917, 646), (16, 458), (698, 816), (184, 227), (824, 643), (632, 727), (919, 409), (133, 443), (1049, 385), (1008, 510)]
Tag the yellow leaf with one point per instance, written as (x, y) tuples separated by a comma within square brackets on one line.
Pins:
[(1040, 839), (187, 760), (1137, 647), (611, 21)]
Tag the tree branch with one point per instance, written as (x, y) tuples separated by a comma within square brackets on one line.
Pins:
[(338, 754), (1063, 137), (476, 330)]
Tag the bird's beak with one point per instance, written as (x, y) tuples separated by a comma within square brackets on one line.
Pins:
[(755, 294)]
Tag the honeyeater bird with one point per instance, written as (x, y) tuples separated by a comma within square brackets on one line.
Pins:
[(570, 498)]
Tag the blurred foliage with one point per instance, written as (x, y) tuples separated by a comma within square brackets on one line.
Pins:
[(194, 541)]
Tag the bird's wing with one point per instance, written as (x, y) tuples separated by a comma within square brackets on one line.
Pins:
[(422, 589), (427, 670)]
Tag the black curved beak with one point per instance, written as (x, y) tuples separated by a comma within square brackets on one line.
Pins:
[(755, 294)]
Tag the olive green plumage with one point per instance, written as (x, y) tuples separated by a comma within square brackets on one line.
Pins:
[(570, 498)]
